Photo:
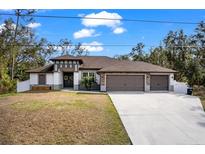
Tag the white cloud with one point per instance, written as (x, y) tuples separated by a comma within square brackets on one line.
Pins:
[(114, 24), (119, 30), (84, 33), (34, 25), (93, 46), (98, 22), (81, 15)]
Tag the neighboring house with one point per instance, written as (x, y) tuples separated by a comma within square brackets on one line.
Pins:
[(110, 74)]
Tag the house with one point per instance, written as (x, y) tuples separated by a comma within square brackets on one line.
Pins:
[(110, 74)]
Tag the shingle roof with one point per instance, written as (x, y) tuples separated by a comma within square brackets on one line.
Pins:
[(45, 69), (66, 57), (107, 64), (96, 62), (136, 66)]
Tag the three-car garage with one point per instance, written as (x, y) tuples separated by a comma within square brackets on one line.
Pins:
[(136, 82)]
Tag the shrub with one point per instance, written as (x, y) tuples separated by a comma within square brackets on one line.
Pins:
[(6, 84), (88, 82)]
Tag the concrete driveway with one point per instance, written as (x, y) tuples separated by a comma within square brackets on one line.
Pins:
[(161, 118)]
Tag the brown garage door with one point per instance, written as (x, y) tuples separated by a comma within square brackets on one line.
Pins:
[(125, 82), (159, 82)]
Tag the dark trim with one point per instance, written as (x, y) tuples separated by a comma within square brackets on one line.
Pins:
[(64, 81), (39, 72), (131, 72), (65, 59), (72, 59), (84, 68), (39, 78)]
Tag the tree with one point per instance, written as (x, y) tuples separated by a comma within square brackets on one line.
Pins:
[(178, 52), (20, 49), (157, 56), (65, 46), (27, 49), (79, 50), (26, 16), (198, 41), (195, 73), (137, 53)]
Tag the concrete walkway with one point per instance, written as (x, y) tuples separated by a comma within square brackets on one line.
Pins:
[(161, 118)]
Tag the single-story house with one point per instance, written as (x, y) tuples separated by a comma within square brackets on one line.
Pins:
[(109, 74)]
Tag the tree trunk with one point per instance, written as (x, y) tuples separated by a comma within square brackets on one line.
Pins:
[(13, 49)]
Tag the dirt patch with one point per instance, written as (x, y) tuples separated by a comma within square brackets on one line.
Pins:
[(60, 118)]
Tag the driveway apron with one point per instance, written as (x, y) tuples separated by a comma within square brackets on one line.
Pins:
[(161, 118)]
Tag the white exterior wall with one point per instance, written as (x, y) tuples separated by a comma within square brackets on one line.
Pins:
[(79, 76), (147, 82), (49, 78), (76, 80), (57, 78), (76, 76), (97, 78), (171, 79), (33, 78)]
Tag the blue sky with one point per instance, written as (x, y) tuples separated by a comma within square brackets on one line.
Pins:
[(113, 32)]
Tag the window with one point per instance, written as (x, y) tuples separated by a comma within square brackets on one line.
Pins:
[(85, 74), (89, 74), (41, 79)]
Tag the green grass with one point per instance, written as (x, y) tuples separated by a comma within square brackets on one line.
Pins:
[(31, 106), (8, 94), (38, 105)]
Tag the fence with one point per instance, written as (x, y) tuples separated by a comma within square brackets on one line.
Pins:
[(180, 87), (23, 86)]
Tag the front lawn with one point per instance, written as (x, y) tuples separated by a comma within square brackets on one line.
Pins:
[(60, 118), (200, 91)]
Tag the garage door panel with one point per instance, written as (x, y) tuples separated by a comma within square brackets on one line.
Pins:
[(159, 82), (125, 83)]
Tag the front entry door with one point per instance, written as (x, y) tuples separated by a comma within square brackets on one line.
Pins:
[(68, 80)]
